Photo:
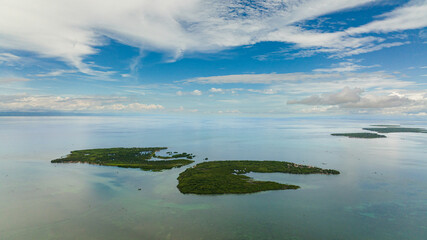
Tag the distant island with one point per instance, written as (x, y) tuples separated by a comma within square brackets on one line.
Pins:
[(143, 158), (359, 135), (226, 177), (395, 129), (385, 125), (381, 129)]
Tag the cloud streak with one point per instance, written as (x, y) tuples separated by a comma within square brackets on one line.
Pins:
[(8, 57), (267, 78), (347, 95), (55, 73), (5, 80), (34, 103), (194, 93), (353, 98)]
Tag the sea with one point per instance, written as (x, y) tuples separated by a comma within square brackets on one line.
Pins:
[(381, 192)]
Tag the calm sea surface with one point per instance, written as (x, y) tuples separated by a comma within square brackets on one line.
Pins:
[(381, 192)]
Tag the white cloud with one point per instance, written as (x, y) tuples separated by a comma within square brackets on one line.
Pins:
[(344, 67), (229, 101), (263, 91), (347, 95), (316, 109), (216, 90), (351, 41), (392, 103), (418, 114), (303, 83), (8, 57), (13, 79), (25, 102), (234, 111), (182, 109), (196, 92), (338, 92), (368, 48), (374, 101), (55, 73), (132, 107), (411, 16), (72, 31), (259, 78)]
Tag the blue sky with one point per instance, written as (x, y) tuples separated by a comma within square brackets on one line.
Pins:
[(261, 58)]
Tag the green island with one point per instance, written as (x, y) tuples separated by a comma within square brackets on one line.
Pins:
[(385, 125), (396, 129), (128, 158), (359, 135), (225, 177)]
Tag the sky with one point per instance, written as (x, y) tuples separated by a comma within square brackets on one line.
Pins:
[(214, 57)]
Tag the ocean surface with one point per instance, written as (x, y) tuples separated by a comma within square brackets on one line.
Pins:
[(381, 192)]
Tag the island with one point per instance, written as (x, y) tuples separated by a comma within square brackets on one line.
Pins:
[(396, 129), (359, 135), (385, 125), (227, 177), (143, 158)]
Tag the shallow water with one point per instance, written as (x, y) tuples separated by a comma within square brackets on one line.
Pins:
[(380, 194)]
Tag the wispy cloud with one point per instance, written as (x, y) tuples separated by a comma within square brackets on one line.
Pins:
[(13, 79), (263, 91), (8, 57), (55, 73), (182, 109), (216, 90), (194, 93), (303, 83), (233, 111), (336, 93), (259, 78), (344, 67), (347, 95), (411, 16), (51, 29), (353, 98), (26, 102)]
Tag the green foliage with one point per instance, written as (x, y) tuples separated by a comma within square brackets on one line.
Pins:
[(123, 157), (222, 177), (359, 135), (396, 129), (162, 157), (184, 155)]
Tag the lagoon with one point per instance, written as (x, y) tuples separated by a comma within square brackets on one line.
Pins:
[(380, 193)]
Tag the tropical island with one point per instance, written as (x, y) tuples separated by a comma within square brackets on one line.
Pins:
[(359, 135), (143, 158), (225, 177)]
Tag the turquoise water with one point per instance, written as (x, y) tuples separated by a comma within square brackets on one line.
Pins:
[(380, 194)]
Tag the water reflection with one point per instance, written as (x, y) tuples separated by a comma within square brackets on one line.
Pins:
[(379, 195)]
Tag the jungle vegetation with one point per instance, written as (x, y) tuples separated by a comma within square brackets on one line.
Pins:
[(127, 158), (225, 177), (359, 135)]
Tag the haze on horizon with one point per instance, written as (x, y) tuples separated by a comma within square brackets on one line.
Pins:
[(274, 58)]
